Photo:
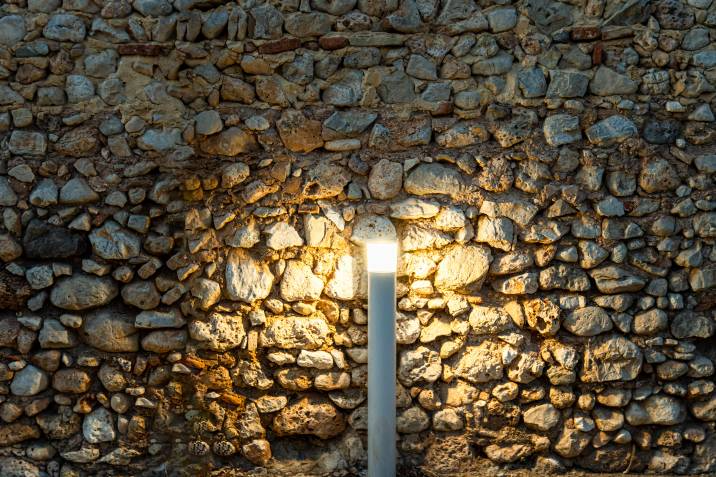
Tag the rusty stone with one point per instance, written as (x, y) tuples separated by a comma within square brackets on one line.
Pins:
[(279, 46), (140, 49), (333, 42)]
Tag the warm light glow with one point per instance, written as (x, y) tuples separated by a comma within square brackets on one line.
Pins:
[(382, 256)]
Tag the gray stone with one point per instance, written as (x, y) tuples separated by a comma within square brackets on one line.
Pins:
[(347, 124), (14, 467), (208, 122), (113, 242), (27, 143), (612, 130), (561, 129), (695, 39), (656, 410), (78, 88), (44, 194), (8, 198), (396, 87), (311, 24), (501, 19), (65, 27), (567, 84), (153, 8), (348, 89), (142, 294), (29, 381), (101, 65), (81, 292), (267, 22), (497, 65), (607, 82), (421, 68), (98, 426), (661, 131), (43, 241), (532, 82), (588, 321), (77, 192), (12, 30)]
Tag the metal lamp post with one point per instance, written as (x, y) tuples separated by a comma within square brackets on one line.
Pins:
[(382, 265)]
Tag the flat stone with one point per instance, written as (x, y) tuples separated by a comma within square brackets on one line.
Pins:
[(541, 417), (435, 178), (349, 280), (281, 236), (369, 227), (567, 84), (14, 467)]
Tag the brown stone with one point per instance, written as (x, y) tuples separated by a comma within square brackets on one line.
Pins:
[(140, 49), (298, 133), (230, 142), (71, 381), (585, 33), (11, 434), (333, 42), (310, 415), (279, 46), (14, 291)]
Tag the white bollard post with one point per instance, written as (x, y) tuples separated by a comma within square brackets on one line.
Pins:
[(382, 265)]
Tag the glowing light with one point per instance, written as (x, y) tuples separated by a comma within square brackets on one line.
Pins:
[(382, 256)]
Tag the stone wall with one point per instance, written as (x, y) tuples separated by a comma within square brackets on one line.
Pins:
[(185, 187)]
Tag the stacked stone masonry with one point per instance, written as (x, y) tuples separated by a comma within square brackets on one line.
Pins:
[(186, 185)]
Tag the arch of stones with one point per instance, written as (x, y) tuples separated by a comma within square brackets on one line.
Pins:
[(185, 187)]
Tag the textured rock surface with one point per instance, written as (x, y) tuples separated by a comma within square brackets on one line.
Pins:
[(186, 189)]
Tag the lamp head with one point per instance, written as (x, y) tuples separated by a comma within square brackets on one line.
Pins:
[(382, 256)]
